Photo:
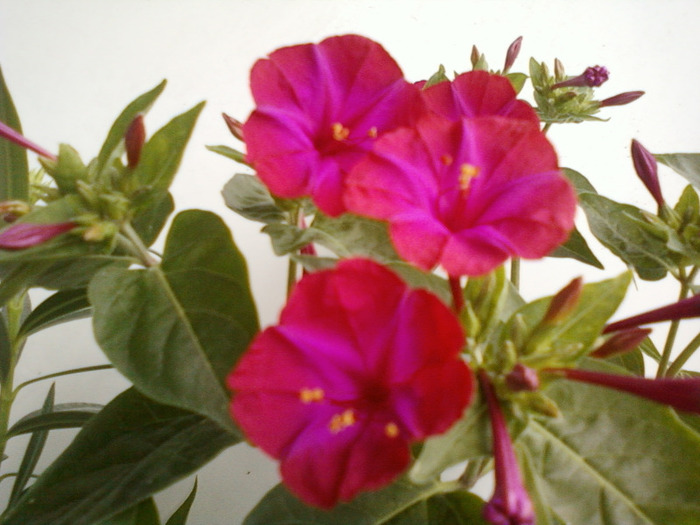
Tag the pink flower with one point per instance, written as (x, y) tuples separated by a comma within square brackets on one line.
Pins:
[(510, 503), (23, 235), (465, 195), (358, 368), (319, 109), (478, 94)]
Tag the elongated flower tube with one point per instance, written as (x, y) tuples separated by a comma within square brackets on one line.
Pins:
[(647, 170), (621, 342), (621, 99), (319, 109), (24, 235), (358, 367), (593, 76), (679, 393), (510, 503), (10, 134), (684, 309)]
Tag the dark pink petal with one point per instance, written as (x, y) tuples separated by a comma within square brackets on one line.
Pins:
[(319, 109), (24, 235), (478, 94)]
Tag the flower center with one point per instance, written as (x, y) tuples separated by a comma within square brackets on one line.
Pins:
[(342, 421), (339, 132), (309, 395), (467, 172)]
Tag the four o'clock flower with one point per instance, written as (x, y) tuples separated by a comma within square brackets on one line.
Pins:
[(593, 76), (510, 503), (24, 235), (358, 368), (319, 109), (465, 195)]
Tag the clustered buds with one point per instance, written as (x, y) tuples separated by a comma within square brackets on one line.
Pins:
[(593, 76)]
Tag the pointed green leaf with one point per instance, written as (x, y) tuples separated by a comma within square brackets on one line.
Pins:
[(179, 517), (577, 248), (14, 181), (177, 329), (61, 307), (451, 508), (144, 513), (248, 196), (685, 164), (64, 415), (613, 458), (229, 153), (132, 449), (352, 235), (437, 77), (112, 146), (150, 220)]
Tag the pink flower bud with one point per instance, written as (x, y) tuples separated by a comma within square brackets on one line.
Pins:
[(234, 126), (522, 378), (684, 309), (133, 141), (10, 134), (620, 100), (512, 54), (25, 235), (621, 342), (593, 76), (564, 302), (646, 168)]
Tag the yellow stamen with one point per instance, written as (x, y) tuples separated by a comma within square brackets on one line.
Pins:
[(342, 421), (467, 172), (309, 395), (391, 430), (372, 133), (340, 132)]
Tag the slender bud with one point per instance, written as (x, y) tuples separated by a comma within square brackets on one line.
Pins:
[(620, 100), (558, 69), (22, 235), (621, 342), (522, 378), (646, 168), (593, 76), (564, 302), (10, 134), (475, 56), (512, 54), (234, 126), (133, 141), (685, 309)]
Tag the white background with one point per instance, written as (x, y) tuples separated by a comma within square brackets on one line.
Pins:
[(73, 65)]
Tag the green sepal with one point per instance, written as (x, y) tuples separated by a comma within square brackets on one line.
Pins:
[(179, 517), (67, 169), (229, 153), (437, 77), (517, 80)]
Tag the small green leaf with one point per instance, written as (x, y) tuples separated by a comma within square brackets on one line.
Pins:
[(450, 508), (685, 164), (14, 182), (577, 248), (179, 517), (581, 183), (113, 144), (64, 415), (352, 235), (132, 449), (61, 307), (229, 153), (248, 196), (143, 513), (150, 220), (517, 80)]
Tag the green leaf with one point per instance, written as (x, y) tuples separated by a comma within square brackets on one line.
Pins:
[(229, 153), (113, 144), (614, 458), (132, 449), (144, 513), (280, 507), (517, 80), (179, 517), (150, 220), (33, 451), (451, 508), (437, 77), (176, 330), (632, 361), (162, 153), (64, 415), (577, 248), (61, 307), (14, 181), (352, 235), (685, 164), (581, 183), (248, 196)]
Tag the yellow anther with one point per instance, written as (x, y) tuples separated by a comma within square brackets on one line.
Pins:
[(309, 395), (446, 159), (391, 430), (342, 421), (372, 133), (467, 172), (340, 132)]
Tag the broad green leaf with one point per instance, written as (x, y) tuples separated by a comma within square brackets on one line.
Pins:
[(229, 153), (450, 508), (352, 235), (613, 458), (149, 222), (577, 248), (64, 415), (685, 164), (581, 183), (248, 196), (179, 517), (132, 449), (143, 513), (14, 181), (61, 307), (161, 154), (113, 144), (177, 329), (33, 451), (280, 507)]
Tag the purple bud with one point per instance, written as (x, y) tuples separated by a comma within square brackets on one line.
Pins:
[(646, 168), (620, 100), (681, 394), (512, 54), (522, 378), (592, 77), (621, 342), (25, 235), (564, 302), (234, 126), (684, 309), (134, 139), (10, 134), (510, 503)]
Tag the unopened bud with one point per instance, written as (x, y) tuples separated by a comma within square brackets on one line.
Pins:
[(646, 168), (621, 342), (593, 76), (234, 126), (475, 56), (512, 54), (558, 69), (24, 235), (133, 141), (564, 302), (13, 210), (522, 378), (621, 99), (538, 402)]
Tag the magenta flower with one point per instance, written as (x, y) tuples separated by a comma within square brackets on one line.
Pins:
[(647, 170), (684, 309), (10, 134), (681, 394), (24, 235), (478, 94), (593, 76), (358, 368), (465, 195), (319, 109), (510, 503)]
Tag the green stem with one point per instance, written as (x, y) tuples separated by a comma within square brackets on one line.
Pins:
[(473, 471), (546, 127), (515, 272), (683, 357), (673, 329), (63, 373), (133, 243), (292, 266)]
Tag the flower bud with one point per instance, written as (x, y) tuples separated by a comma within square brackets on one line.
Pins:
[(593, 76), (621, 99), (564, 302), (646, 168), (133, 141), (13, 210), (558, 69), (621, 342), (234, 126), (20, 236), (475, 56), (522, 378), (512, 54)]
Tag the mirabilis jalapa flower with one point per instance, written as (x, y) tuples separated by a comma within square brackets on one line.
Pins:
[(357, 369), (319, 108)]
